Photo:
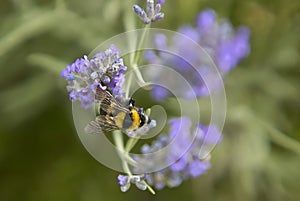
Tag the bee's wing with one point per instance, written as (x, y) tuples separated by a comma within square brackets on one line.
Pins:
[(109, 107), (100, 125), (93, 128), (107, 123), (108, 104)]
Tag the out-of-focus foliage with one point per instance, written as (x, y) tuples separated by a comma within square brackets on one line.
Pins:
[(41, 157)]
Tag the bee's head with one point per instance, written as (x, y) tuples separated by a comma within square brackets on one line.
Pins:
[(143, 117), (131, 103)]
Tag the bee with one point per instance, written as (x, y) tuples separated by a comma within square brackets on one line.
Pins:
[(114, 115)]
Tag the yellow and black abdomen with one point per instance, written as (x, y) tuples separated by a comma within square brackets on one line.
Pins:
[(136, 120), (128, 120)]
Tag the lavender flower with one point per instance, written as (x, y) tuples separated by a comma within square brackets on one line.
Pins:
[(126, 181), (105, 70), (224, 45), (152, 12), (182, 154)]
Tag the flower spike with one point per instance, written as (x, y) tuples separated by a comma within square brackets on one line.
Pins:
[(152, 12)]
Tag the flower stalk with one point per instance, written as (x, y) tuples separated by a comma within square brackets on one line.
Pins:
[(117, 135)]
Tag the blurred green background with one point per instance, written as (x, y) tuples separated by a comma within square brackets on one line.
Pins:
[(41, 157)]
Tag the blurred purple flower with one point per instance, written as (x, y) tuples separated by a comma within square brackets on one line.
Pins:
[(206, 20), (160, 93), (105, 69), (183, 148), (197, 168), (225, 46)]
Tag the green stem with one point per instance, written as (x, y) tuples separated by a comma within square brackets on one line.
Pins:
[(149, 188), (118, 138), (138, 54), (281, 138), (134, 60), (130, 144), (276, 135)]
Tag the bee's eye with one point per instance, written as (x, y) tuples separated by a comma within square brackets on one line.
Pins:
[(131, 102)]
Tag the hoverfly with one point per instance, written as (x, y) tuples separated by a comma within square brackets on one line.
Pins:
[(113, 115)]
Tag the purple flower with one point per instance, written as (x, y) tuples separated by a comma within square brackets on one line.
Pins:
[(206, 20), (181, 142), (160, 1), (231, 51), (106, 69), (183, 145), (180, 164), (125, 182), (208, 134), (197, 168), (160, 93), (225, 46), (190, 32), (152, 12)]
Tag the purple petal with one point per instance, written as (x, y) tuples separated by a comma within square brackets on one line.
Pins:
[(161, 41), (241, 42), (206, 20), (150, 55), (209, 134), (122, 180), (197, 168), (190, 32), (73, 95), (159, 93), (179, 164)]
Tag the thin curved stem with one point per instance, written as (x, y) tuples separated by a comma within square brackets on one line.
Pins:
[(118, 138), (117, 135), (135, 59)]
